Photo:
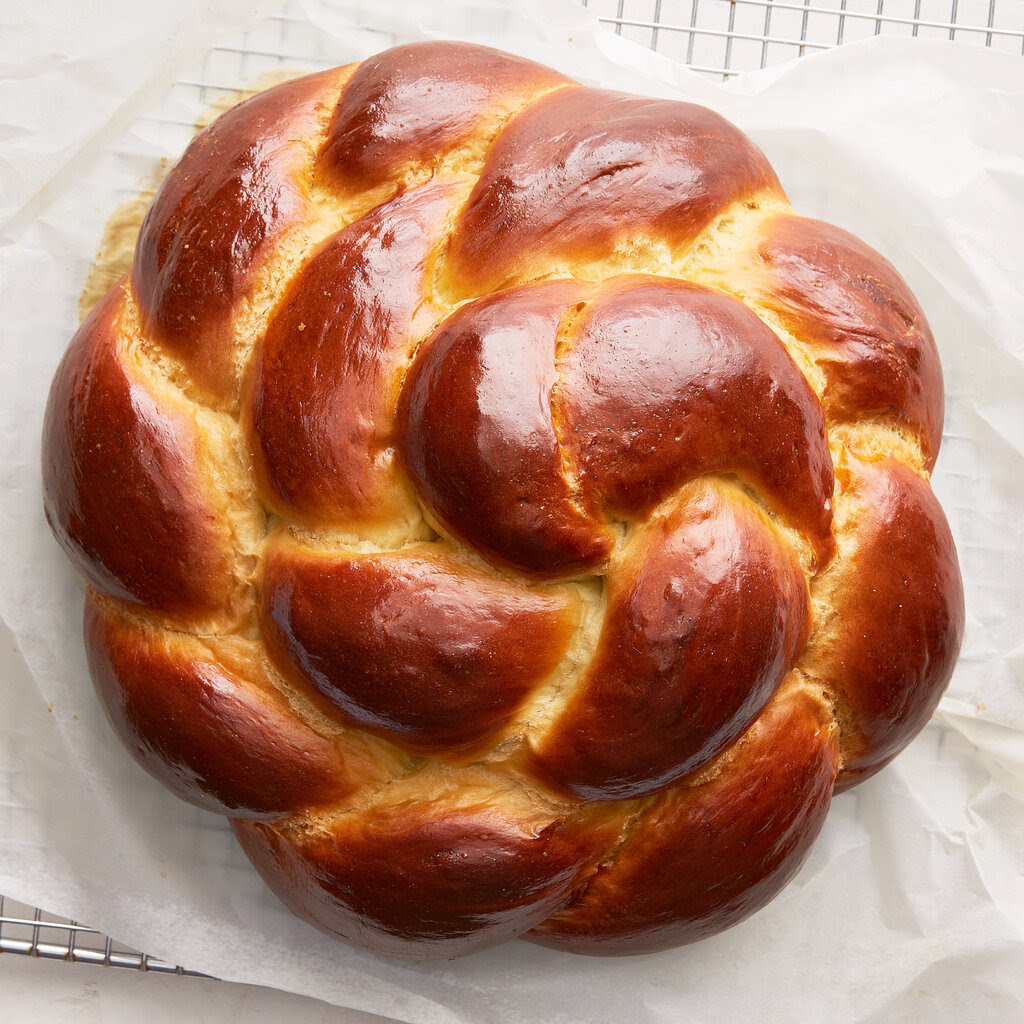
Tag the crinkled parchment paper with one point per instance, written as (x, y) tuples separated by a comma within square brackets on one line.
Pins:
[(911, 906)]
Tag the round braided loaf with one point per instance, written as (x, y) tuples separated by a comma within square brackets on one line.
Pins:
[(503, 506)]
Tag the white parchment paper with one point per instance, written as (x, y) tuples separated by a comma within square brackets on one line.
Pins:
[(911, 906)]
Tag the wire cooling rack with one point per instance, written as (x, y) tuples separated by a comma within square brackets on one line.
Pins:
[(719, 38), (723, 38), (28, 930)]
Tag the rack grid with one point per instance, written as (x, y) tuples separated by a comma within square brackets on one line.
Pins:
[(33, 932), (724, 38)]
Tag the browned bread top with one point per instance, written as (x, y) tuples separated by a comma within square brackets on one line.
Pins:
[(496, 499)]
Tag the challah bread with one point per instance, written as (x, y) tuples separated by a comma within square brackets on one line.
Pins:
[(495, 499)]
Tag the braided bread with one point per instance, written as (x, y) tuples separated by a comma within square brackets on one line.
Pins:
[(495, 499)]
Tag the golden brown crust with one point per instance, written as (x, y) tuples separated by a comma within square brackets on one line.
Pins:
[(705, 615), (211, 735), (867, 330), (704, 857), (414, 104), (429, 877), (501, 504), (664, 381), (477, 437), (321, 403), (237, 188), (896, 614), (418, 646), (582, 171), (109, 437)]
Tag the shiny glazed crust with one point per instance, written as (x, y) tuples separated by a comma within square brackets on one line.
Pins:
[(503, 506)]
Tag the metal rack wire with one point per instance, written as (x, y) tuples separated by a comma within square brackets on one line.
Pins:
[(33, 932), (720, 38), (723, 38)]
